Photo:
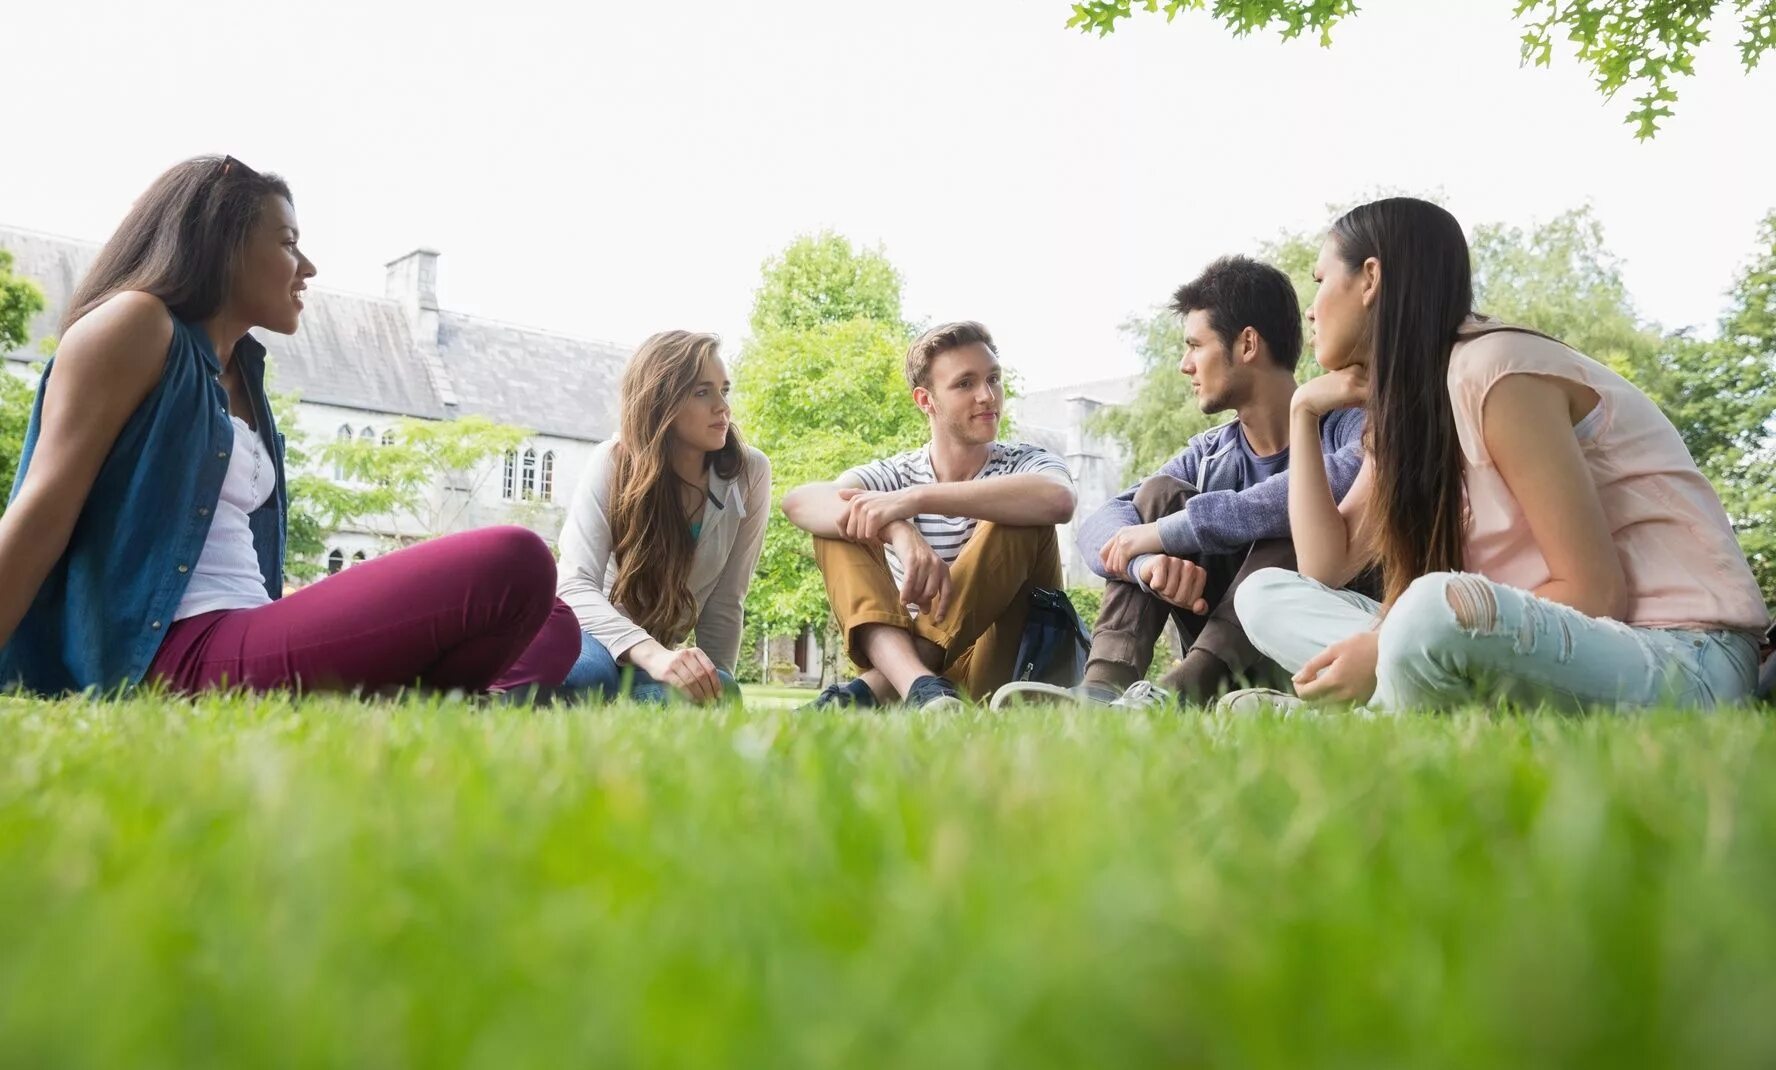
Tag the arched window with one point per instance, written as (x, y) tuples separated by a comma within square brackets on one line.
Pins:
[(367, 435), (509, 488), (388, 437), (358, 558), (335, 562), (546, 482), (344, 435), (530, 473)]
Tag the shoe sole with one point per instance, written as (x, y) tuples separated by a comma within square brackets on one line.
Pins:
[(1020, 692), (1256, 700)]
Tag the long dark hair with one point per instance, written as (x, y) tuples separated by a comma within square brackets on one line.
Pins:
[(1426, 292), (182, 240), (650, 533)]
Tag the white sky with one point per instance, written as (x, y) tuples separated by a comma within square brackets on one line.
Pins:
[(614, 169)]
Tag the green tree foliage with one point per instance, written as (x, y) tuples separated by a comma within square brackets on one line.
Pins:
[(819, 388), (428, 476), (1559, 277), (16, 399), (1639, 45), (306, 541), (820, 279), (20, 300)]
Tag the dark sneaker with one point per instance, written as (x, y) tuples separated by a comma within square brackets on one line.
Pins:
[(853, 695), (933, 693)]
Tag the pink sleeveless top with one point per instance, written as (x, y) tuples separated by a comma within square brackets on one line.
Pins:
[(1683, 565)]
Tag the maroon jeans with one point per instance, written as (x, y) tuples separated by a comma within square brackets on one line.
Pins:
[(475, 611)]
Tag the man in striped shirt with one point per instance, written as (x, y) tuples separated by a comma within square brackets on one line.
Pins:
[(930, 556)]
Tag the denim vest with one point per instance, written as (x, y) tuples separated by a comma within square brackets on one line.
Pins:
[(101, 614)]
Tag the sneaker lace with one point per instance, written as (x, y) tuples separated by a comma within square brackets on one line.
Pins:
[(1145, 693)]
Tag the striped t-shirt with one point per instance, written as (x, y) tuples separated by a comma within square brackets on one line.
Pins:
[(947, 535)]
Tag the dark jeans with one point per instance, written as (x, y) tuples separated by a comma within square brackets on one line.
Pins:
[(596, 675), (1130, 620)]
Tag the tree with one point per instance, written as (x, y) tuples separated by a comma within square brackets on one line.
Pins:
[(305, 542), (1642, 45), (820, 279), (1560, 278), (20, 300), (402, 479), (819, 389)]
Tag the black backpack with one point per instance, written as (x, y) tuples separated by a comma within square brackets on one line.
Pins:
[(1054, 644)]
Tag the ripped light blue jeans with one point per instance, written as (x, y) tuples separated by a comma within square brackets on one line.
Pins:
[(1454, 638)]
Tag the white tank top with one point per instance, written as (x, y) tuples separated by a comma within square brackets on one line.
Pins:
[(227, 575)]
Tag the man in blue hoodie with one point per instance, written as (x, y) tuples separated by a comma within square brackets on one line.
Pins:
[(1178, 543)]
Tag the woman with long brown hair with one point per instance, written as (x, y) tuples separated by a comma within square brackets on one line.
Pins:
[(665, 530), (146, 531), (1544, 536)]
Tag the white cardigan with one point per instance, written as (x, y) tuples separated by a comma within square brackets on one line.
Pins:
[(727, 552)]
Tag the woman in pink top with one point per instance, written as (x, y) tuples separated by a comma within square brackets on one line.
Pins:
[(1543, 534)]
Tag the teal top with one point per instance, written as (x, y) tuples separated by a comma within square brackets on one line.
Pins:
[(696, 530)]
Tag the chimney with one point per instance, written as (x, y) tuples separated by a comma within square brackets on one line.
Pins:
[(413, 281), (1079, 410)]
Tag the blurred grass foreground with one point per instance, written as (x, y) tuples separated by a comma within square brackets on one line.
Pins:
[(270, 882)]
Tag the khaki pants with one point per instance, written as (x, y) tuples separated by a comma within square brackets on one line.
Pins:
[(990, 597)]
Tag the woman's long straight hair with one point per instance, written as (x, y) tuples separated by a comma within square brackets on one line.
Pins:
[(650, 531), (182, 240), (1416, 524)]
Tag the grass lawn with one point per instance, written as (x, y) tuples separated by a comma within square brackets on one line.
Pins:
[(260, 883), (773, 697)]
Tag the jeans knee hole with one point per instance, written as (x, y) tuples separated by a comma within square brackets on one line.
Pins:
[(1472, 601)]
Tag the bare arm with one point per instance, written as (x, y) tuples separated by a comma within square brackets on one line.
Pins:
[(1528, 430), (103, 369), (1325, 529), (817, 508)]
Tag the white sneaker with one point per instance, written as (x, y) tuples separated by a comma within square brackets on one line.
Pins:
[(1032, 692), (1250, 700), (1143, 695)]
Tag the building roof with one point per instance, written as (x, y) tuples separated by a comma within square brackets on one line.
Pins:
[(550, 382), (356, 352), (364, 352)]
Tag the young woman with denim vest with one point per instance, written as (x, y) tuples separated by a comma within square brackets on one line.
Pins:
[(1543, 532), (144, 541)]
